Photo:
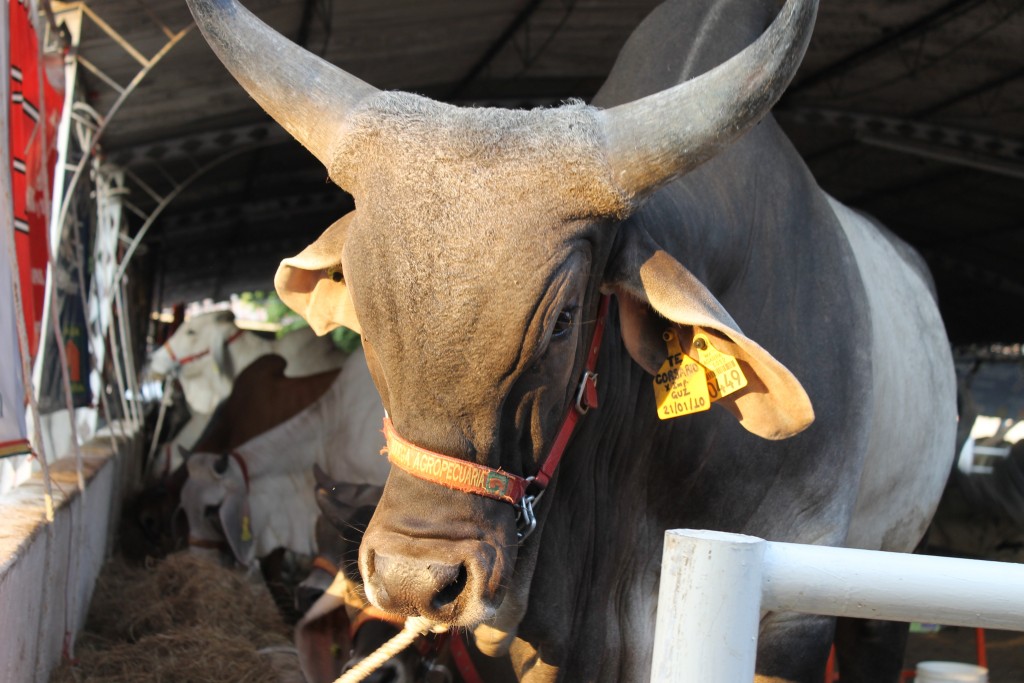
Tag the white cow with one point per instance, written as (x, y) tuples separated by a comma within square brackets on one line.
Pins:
[(263, 492), (207, 352)]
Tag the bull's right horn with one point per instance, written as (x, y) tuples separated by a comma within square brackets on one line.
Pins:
[(307, 95), (659, 137)]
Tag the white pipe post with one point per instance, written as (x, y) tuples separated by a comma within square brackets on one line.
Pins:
[(714, 587), (872, 584), (708, 607)]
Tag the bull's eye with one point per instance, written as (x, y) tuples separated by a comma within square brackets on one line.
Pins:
[(220, 465), (563, 324), (336, 274)]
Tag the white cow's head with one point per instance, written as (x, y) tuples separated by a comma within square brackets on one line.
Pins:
[(216, 502), (197, 354)]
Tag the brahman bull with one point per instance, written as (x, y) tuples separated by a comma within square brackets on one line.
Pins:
[(261, 399), (490, 247), (207, 353), (258, 496)]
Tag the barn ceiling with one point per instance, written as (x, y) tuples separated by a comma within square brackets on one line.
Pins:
[(912, 110)]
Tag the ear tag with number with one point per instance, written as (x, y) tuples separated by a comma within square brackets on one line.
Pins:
[(681, 386), (724, 373)]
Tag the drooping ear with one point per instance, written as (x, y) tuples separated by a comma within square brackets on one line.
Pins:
[(211, 484), (237, 524), (656, 292), (313, 283), (234, 515)]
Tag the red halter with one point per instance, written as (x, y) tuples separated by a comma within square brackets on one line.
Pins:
[(481, 480), (196, 356)]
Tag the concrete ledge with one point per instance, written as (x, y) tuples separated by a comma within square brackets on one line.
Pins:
[(47, 571)]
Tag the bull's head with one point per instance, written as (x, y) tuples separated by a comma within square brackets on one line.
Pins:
[(215, 500), (482, 241), (199, 344)]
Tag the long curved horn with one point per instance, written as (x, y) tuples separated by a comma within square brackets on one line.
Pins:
[(307, 95), (654, 139)]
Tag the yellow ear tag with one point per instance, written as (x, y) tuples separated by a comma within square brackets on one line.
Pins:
[(246, 532), (724, 373), (680, 387)]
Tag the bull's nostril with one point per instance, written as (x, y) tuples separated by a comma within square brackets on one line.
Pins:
[(451, 591)]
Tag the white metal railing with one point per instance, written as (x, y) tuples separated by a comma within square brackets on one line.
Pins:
[(715, 587)]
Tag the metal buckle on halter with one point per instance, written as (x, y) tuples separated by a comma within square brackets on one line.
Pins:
[(582, 407), (526, 519)]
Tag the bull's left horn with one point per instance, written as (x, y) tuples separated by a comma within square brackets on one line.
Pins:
[(307, 95), (657, 138)]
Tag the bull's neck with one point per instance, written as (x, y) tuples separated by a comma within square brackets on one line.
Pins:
[(723, 218)]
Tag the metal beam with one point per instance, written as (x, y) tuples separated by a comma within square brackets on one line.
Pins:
[(199, 144), (942, 15), (488, 56), (970, 94), (959, 146)]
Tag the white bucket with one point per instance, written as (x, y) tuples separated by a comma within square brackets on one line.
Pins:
[(950, 672)]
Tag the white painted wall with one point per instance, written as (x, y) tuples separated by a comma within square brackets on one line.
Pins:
[(47, 571)]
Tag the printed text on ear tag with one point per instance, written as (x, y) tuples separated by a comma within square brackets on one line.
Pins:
[(681, 385), (724, 373)]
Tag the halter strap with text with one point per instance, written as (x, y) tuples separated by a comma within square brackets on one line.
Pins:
[(454, 473)]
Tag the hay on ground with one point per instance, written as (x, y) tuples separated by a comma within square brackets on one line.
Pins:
[(184, 619)]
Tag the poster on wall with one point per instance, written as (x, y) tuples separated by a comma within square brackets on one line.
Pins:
[(71, 316), (35, 108), (13, 434)]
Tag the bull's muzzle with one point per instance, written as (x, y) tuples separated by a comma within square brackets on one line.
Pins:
[(449, 582)]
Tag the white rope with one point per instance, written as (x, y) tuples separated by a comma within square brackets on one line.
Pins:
[(414, 628)]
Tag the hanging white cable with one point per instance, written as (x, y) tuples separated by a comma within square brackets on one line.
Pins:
[(41, 135), (69, 401)]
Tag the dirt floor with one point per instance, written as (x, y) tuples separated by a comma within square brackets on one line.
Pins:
[(954, 644)]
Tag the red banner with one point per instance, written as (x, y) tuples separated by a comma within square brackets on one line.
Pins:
[(34, 114)]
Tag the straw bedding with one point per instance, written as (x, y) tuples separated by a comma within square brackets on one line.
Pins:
[(181, 620)]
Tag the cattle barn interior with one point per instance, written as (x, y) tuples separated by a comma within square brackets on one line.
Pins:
[(911, 111)]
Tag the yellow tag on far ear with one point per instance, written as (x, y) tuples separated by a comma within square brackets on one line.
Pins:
[(681, 386), (246, 532), (724, 373)]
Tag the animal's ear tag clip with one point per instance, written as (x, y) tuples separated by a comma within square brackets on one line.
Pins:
[(724, 373), (681, 385)]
